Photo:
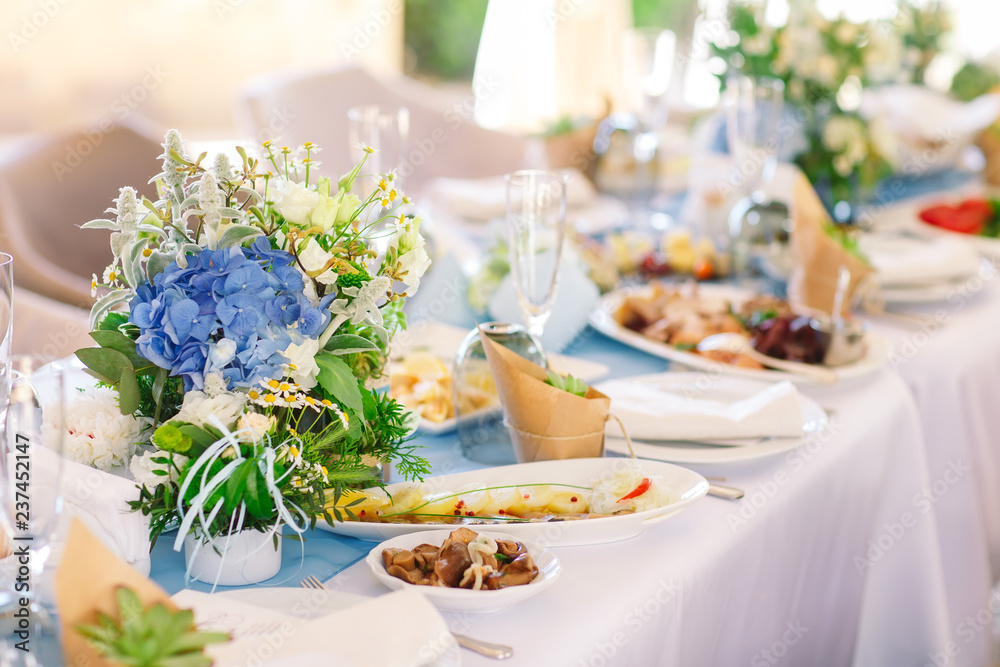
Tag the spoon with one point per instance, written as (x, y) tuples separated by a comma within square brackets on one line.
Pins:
[(740, 344)]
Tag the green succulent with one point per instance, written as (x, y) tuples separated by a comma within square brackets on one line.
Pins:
[(154, 637), (569, 383)]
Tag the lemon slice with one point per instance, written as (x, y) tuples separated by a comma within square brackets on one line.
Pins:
[(355, 502)]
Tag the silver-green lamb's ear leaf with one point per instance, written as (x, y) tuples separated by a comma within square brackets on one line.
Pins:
[(106, 303), (230, 213), (237, 234), (100, 224), (157, 263)]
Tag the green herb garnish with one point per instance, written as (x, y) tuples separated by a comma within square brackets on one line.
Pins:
[(686, 347), (843, 236)]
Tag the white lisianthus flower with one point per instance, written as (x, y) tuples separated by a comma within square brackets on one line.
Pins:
[(302, 359), (142, 467), (294, 201), (313, 258), (98, 434), (199, 406), (414, 265), (253, 426)]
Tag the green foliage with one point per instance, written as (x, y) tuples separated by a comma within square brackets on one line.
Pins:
[(973, 80), (568, 384), (427, 21), (154, 637), (337, 379)]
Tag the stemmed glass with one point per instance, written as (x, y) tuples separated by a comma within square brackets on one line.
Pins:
[(6, 322), (647, 69), (536, 229), (753, 115), (387, 131), (31, 462)]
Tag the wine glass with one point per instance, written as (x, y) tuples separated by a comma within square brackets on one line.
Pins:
[(536, 229), (6, 322), (387, 131), (753, 114), (31, 462), (647, 69)]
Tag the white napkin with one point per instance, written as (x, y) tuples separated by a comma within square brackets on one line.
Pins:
[(354, 637), (650, 412), (906, 261), (483, 199), (100, 500), (907, 119)]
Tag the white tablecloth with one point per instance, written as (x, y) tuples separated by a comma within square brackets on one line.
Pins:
[(952, 365), (829, 560)]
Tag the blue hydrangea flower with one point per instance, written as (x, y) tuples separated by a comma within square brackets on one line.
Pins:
[(231, 311)]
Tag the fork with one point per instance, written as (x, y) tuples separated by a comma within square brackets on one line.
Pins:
[(495, 651)]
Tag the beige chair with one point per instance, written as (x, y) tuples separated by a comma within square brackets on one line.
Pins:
[(313, 107), (51, 187), (51, 328)]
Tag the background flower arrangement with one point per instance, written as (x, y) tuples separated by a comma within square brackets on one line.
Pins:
[(825, 65), (261, 304)]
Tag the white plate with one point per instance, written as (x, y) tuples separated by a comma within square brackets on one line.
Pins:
[(603, 320), (305, 604), (724, 389), (916, 261), (461, 599), (685, 485), (443, 340)]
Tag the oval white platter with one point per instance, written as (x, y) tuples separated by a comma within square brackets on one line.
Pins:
[(604, 321), (462, 599), (683, 485)]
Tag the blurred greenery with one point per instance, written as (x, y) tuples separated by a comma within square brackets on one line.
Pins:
[(442, 36)]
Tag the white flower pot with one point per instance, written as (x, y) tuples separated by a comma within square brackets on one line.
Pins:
[(250, 558)]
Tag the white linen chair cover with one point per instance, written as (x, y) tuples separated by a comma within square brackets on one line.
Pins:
[(301, 107), (48, 327), (54, 185)]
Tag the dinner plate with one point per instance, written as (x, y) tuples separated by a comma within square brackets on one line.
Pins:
[(604, 321), (461, 599), (907, 261), (683, 485), (443, 340), (727, 390), (306, 605)]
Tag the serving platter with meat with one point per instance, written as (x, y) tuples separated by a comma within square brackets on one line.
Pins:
[(670, 320)]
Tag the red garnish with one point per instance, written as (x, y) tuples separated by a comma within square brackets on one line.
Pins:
[(526, 496), (501, 512), (362, 513), (573, 499), (458, 512), (470, 513), (637, 491), (461, 503), (968, 217)]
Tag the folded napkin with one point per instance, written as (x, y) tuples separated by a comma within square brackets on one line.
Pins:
[(651, 412), (918, 123), (398, 629), (100, 500), (907, 261), (483, 199)]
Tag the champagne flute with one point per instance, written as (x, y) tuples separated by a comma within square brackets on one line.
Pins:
[(31, 462), (387, 131), (6, 322), (536, 230), (648, 64)]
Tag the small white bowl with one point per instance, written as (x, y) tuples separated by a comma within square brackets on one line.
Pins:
[(463, 599)]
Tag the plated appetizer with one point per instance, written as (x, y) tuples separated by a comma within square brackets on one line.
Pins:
[(974, 216), (422, 381), (625, 492), (466, 559)]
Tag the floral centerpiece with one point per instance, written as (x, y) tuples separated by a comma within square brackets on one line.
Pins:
[(261, 301), (825, 65)]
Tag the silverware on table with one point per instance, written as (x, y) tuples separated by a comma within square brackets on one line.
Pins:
[(723, 491), (495, 651)]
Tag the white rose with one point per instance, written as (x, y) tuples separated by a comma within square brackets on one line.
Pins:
[(97, 433), (253, 426), (198, 407), (294, 201), (142, 468), (313, 258), (303, 358)]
